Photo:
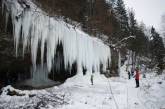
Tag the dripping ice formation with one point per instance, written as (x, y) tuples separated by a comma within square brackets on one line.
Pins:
[(37, 30)]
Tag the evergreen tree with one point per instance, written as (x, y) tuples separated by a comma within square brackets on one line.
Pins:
[(140, 43), (132, 23), (132, 31), (122, 18), (157, 48)]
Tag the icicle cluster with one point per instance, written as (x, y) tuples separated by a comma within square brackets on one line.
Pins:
[(36, 28)]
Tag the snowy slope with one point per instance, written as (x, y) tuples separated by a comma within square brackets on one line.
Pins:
[(78, 93)]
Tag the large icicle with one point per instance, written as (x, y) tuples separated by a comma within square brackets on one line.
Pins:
[(38, 28)]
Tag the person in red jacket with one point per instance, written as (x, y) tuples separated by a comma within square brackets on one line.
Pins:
[(137, 74)]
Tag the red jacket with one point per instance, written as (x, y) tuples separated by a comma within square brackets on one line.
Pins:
[(137, 75)]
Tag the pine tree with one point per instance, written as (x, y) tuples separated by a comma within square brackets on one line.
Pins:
[(132, 31), (140, 43), (122, 18), (157, 48), (132, 23)]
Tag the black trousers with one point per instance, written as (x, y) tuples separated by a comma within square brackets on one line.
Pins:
[(137, 82)]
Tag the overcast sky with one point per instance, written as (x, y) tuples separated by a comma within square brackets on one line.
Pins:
[(148, 11)]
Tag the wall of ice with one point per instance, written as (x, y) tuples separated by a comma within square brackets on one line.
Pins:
[(36, 30)]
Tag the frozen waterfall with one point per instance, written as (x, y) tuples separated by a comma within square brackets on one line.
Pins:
[(36, 30)]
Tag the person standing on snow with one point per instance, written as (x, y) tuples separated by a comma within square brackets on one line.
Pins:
[(137, 74), (92, 79), (132, 71), (129, 75)]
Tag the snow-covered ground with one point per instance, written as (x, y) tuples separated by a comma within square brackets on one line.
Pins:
[(78, 93)]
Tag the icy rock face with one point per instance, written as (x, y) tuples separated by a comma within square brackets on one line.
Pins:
[(36, 30)]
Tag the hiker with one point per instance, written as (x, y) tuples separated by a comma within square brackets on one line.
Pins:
[(137, 74), (92, 79), (144, 75), (132, 72), (129, 74), (143, 70)]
